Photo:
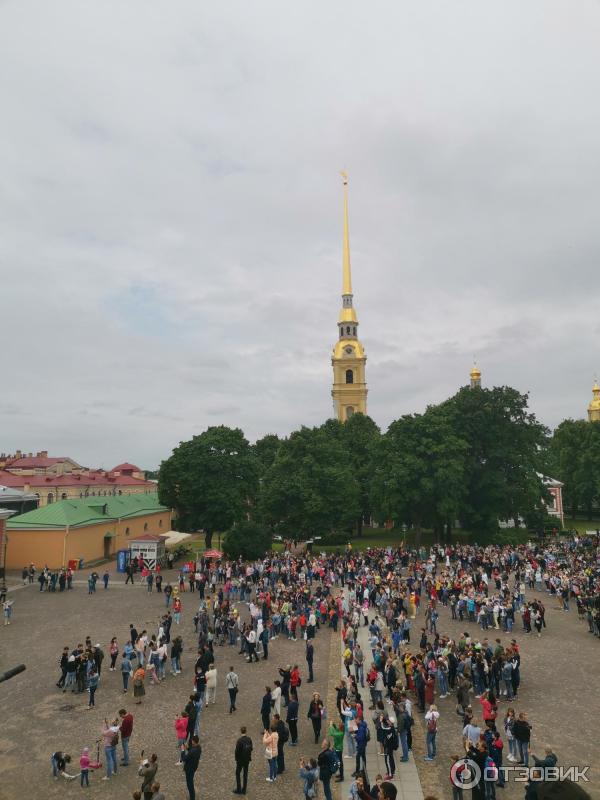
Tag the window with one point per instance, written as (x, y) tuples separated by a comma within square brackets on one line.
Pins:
[(145, 526), (349, 376), (126, 531), (160, 523), (63, 496), (349, 412), (348, 330), (354, 331), (50, 498)]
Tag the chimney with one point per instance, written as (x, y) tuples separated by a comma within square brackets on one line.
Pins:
[(44, 454), (18, 454)]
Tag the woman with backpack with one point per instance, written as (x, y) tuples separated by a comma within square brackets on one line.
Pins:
[(431, 719), (138, 684)]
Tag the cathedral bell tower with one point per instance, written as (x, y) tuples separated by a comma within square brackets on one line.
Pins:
[(349, 391)]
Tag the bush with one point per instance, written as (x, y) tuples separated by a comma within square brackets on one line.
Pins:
[(248, 540), (335, 538)]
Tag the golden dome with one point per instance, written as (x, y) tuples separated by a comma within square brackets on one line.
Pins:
[(595, 402), (475, 372)]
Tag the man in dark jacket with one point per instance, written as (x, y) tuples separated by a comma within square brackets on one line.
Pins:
[(326, 761), (360, 736), (190, 759), (283, 736), (310, 654), (243, 756), (265, 709)]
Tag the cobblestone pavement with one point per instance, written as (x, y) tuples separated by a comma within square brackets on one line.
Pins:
[(38, 718), (559, 692)]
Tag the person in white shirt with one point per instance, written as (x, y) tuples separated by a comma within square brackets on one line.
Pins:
[(232, 683), (276, 698), (211, 685), (161, 651), (431, 719)]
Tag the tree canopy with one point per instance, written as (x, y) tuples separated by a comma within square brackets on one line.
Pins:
[(247, 540), (210, 480), (574, 457), (310, 489)]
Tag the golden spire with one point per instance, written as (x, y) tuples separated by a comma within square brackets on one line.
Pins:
[(347, 279)]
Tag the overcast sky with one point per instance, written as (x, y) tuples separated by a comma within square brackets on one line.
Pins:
[(170, 212)]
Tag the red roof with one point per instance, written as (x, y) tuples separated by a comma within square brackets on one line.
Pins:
[(37, 461), (81, 479), (126, 465)]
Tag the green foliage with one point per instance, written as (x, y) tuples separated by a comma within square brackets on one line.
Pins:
[(360, 437), (505, 443), (310, 489), (210, 480), (574, 454), (248, 540), (420, 474), (265, 450)]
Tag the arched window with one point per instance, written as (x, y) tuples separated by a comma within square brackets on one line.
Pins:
[(63, 496), (354, 331), (349, 412), (349, 376), (347, 330), (145, 526), (50, 498), (160, 523), (126, 531)]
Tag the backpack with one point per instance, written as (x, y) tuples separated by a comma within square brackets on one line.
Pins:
[(334, 764), (432, 725), (115, 740)]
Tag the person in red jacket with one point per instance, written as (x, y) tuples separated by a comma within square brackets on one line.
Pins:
[(125, 729), (181, 728), (488, 706)]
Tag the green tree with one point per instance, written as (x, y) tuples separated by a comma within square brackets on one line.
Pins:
[(265, 450), (505, 454), (310, 489), (247, 540), (574, 456), (360, 437), (420, 477), (210, 480)]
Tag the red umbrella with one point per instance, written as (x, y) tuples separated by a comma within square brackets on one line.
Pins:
[(212, 554)]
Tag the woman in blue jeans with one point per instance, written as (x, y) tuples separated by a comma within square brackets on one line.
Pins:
[(270, 741)]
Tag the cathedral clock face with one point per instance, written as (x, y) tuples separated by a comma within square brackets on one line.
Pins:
[(348, 350)]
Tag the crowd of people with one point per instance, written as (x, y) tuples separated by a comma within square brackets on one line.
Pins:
[(395, 668)]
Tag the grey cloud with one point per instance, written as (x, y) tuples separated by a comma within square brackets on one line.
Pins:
[(171, 212)]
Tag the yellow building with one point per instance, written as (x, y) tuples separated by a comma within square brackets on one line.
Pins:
[(90, 529), (349, 391), (594, 406)]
